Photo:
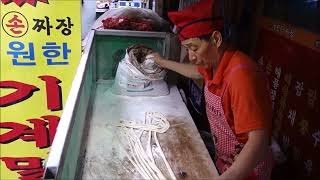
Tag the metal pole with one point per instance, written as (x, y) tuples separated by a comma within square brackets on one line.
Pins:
[(159, 7)]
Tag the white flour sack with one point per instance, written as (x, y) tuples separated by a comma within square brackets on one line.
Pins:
[(138, 76)]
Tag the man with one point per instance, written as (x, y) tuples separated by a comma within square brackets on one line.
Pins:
[(237, 97)]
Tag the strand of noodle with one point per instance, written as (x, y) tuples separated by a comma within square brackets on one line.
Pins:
[(164, 158), (149, 147), (130, 159), (140, 160), (149, 162), (145, 164), (143, 173), (142, 169)]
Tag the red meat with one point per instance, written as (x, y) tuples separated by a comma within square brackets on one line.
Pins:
[(125, 23)]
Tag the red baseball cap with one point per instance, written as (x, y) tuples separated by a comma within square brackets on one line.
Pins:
[(196, 20)]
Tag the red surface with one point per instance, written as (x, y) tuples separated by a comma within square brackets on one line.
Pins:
[(302, 64)]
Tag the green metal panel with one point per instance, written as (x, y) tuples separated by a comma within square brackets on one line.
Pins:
[(73, 155), (111, 49)]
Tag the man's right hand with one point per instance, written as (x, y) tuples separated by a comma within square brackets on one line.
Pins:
[(157, 58), (188, 70)]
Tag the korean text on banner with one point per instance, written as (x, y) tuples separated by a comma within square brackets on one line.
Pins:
[(40, 51)]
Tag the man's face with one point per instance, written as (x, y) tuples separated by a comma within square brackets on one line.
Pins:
[(199, 52)]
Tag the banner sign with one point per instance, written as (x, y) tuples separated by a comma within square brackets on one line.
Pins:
[(40, 51)]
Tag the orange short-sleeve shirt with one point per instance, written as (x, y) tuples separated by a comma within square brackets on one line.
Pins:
[(246, 101)]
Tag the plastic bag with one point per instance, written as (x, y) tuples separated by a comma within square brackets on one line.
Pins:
[(128, 18), (138, 76), (137, 66)]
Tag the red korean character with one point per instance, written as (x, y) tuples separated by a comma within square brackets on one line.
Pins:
[(42, 133), (28, 167)]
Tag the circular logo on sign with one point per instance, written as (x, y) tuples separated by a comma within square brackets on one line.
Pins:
[(15, 24)]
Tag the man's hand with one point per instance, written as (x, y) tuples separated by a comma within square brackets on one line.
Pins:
[(157, 58), (255, 150), (188, 70)]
